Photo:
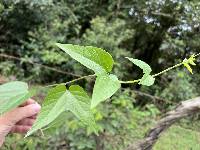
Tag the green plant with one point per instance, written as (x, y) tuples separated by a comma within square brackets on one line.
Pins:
[(74, 99)]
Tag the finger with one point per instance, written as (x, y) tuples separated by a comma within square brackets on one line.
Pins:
[(21, 113), (20, 129), (26, 121), (33, 117), (29, 101)]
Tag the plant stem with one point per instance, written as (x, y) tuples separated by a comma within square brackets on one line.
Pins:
[(72, 81), (197, 55), (122, 82), (129, 82), (157, 74), (83, 77), (168, 69)]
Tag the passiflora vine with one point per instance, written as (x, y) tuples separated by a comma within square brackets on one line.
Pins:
[(75, 99)]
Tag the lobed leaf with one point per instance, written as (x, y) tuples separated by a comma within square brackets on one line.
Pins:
[(53, 105), (93, 58), (188, 62), (13, 94), (147, 80), (188, 67), (143, 65), (79, 105), (105, 86), (58, 101), (192, 60), (58, 122)]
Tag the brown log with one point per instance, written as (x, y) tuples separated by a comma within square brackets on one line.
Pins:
[(184, 109)]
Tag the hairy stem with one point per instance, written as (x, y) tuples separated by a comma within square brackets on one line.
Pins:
[(122, 82), (83, 77), (197, 55), (157, 74), (72, 81), (168, 69), (129, 82)]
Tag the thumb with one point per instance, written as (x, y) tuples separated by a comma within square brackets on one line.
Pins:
[(9, 119), (20, 113)]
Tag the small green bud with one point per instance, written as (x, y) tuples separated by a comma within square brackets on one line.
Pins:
[(191, 60), (188, 62)]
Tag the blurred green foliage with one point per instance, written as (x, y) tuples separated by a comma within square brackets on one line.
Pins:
[(159, 32), (118, 120), (181, 87)]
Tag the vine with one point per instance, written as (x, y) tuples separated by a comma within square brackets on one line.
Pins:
[(74, 99), (138, 80)]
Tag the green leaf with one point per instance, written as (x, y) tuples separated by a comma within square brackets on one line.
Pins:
[(105, 86), (188, 62), (53, 105), (60, 100), (13, 94), (58, 122), (144, 66), (147, 80), (188, 67), (93, 58), (79, 105), (191, 60)]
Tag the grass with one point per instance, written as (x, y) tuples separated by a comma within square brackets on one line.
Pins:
[(175, 138), (178, 138)]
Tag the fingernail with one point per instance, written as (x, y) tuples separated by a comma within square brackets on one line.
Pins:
[(36, 107)]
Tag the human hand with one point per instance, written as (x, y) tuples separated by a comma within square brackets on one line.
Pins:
[(18, 120)]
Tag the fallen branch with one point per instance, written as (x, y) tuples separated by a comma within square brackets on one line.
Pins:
[(184, 109), (40, 65), (152, 97)]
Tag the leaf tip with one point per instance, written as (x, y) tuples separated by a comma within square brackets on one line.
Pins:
[(58, 44), (28, 134), (128, 58), (94, 103)]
